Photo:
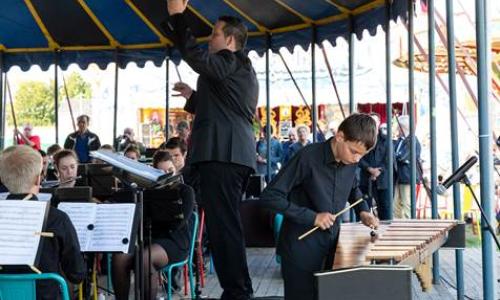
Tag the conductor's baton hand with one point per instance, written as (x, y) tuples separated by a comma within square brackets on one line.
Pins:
[(176, 6), (324, 220), (184, 90)]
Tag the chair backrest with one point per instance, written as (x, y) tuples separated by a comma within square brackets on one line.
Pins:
[(23, 286)]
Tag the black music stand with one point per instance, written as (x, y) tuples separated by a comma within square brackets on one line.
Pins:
[(101, 178)]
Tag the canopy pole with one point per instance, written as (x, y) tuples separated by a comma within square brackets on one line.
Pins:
[(115, 106), (297, 86), (268, 111), (452, 87), (389, 144), (432, 125), (167, 94), (56, 94), (352, 215), (2, 104), (69, 102), (411, 95), (485, 153), (330, 73), (351, 71), (313, 86)]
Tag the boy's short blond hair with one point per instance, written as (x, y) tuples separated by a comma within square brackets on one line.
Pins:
[(19, 168)]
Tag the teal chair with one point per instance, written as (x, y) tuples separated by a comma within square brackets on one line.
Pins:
[(23, 286), (278, 221), (187, 262)]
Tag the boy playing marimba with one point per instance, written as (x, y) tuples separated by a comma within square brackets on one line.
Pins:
[(308, 191)]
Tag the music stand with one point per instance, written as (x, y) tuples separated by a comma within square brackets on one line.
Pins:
[(135, 176), (71, 194), (101, 179)]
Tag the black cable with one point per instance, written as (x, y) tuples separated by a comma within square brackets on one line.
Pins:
[(105, 290), (454, 287)]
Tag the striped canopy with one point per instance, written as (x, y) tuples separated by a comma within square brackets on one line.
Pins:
[(42, 32)]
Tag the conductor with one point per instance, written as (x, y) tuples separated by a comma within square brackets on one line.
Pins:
[(223, 144)]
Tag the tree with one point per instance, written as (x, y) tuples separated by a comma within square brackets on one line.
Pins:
[(34, 103), (77, 87)]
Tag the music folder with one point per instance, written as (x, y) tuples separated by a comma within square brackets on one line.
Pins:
[(21, 228), (103, 227)]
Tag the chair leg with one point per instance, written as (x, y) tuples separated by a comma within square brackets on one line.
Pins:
[(199, 251), (169, 284), (186, 284)]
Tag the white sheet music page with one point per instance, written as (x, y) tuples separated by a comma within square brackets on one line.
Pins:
[(19, 221), (113, 228), (81, 215)]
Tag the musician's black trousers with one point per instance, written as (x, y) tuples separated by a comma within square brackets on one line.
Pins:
[(299, 281), (221, 189)]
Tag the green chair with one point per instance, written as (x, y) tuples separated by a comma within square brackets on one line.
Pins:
[(188, 261), (23, 286)]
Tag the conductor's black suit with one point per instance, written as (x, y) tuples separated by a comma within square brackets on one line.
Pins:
[(222, 149)]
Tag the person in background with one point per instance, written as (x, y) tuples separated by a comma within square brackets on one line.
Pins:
[(276, 154), (83, 140), (163, 161), (402, 208), (20, 169), (45, 160), (27, 138), (302, 140), (182, 131), (374, 181), (177, 148), (127, 139), (132, 152), (51, 170), (332, 129), (292, 138)]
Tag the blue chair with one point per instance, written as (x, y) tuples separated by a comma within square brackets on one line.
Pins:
[(23, 286), (188, 261), (278, 221)]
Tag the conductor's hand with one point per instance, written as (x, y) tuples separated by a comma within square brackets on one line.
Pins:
[(324, 220), (184, 90), (176, 6), (368, 219)]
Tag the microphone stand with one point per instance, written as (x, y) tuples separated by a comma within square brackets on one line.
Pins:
[(465, 180)]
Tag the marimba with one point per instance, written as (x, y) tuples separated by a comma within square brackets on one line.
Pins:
[(400, 245)]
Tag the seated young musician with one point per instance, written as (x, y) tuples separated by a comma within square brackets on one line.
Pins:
[(172, 247), (20, 172), (312, 187), (66, 165)]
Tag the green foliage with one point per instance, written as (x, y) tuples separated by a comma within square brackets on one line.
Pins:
[(77, 87), (34, 103), (34, 100)]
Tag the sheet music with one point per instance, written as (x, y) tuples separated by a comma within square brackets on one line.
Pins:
[(19, 220), (127, 164), (81, 215), (113, 225)]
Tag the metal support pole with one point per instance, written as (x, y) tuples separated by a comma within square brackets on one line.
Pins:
[(351, 73), (56, 94), (167, 95), (452, 87), (2, 105), (390, 146), (411, 95), (485, 153), (115, 106), (268, 112), (313, 86), (432, 125)]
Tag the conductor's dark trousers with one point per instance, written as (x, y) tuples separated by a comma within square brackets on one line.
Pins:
[(221, 189)]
